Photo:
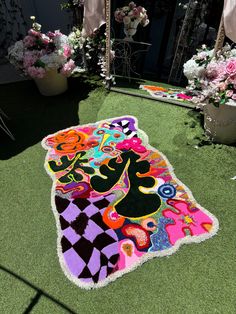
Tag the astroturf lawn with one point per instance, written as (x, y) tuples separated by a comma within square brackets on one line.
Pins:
[(199, 278)]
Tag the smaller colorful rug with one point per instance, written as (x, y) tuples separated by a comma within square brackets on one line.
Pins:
[(117, 202), (166, 93)]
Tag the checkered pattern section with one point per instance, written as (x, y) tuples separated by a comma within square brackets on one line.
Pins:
[(89, 246), (124, 124)]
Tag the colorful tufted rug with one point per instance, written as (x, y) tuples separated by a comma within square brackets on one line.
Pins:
[(117, 202), (161, 93)]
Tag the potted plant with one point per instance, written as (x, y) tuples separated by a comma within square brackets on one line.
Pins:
[(131, 16), (214, 84), (46, 58)]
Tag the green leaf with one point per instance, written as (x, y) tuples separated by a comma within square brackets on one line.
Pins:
[(39, 64)]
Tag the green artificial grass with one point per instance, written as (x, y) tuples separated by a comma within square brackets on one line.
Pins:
[(199, 278)]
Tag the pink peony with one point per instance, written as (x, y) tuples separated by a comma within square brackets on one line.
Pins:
[(36, 72), (215, 71), (231, 67), (67, 51), (68, 68)]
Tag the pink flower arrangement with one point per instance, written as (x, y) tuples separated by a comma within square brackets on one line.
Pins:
[(217, 83), (38, 53), (220, 83), (131, 13)]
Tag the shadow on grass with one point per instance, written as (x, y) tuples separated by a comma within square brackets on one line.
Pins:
[(39, 293), (33, 116)]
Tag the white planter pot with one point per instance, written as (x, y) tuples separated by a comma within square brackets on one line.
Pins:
[(53, 83), (220, 123)]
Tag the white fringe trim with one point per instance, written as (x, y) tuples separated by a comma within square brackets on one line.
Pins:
[(146, 256)]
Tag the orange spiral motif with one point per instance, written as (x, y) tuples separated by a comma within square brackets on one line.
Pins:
[(70, 142)]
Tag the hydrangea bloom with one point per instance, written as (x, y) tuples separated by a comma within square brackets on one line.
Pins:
[(68, 68), (193, 70)]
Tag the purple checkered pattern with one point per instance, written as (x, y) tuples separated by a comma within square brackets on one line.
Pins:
[(89, 246)]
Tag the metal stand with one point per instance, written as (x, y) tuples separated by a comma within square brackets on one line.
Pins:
[(127, 56), (3, 125)]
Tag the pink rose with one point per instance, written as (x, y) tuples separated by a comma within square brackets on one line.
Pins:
[(45, 40), (231, 79), (229, 93), (32, 32), (50, 35), (231, 67), (135, 12), (234, 97)]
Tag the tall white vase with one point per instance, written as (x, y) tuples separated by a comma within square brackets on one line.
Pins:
[(53, 83), (220, 123)]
